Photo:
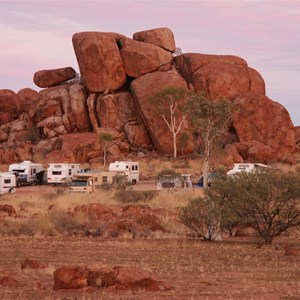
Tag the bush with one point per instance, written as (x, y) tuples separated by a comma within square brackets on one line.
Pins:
[(268, 201), (131, 196)]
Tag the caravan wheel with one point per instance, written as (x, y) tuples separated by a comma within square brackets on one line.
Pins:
[(12, 190)]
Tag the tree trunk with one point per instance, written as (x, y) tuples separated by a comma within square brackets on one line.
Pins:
[(174, 145), (206, 163)]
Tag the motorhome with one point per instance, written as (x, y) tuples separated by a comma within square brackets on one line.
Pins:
[(7, 183), (130, 168), (90, 181), (58, 173), (246, 167), (29, 172)]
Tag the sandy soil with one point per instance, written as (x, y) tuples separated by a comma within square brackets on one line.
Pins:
[(196, 270)]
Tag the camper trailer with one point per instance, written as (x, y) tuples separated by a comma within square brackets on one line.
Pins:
[(7, 183), (246, 167), (90, 181), (61, 173), (29, 172), (130, 168)]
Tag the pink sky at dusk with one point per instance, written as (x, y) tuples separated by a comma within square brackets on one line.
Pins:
[(37, 35)]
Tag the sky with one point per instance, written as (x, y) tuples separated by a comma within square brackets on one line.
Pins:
[(37, 35)]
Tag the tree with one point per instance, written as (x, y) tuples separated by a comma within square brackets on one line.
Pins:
[(210, 119), (203, 217), (170, 104), (105, 141), (268, 201), (183, 140)]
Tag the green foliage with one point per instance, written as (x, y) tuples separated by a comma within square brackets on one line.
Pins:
[(201, 216), (120, 182), (183, 140), (167, 173), (105, 137), (131, 196), (268, 201), (210, 119)]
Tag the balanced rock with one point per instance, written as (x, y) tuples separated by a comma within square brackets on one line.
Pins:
[(99, 60), (48, 78), (140, 58), (162, 37)]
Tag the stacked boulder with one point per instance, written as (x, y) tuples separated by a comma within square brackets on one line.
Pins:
[(118, 75)]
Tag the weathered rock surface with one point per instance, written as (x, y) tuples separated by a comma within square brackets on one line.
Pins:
[(99, 60), (162, 37), (140, 58), (70, 277), (219, 76), (10, 106), (27, 98), (103, 276), (48, 78), (142, 89), (257, 118)]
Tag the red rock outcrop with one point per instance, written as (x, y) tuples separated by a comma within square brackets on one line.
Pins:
[(70, 277), (140, 58), (48, 78), (142, 89), (9, 281), (8, 209), (10, 106), (99, 60), (219, 76), (162, 37), (257, 118), (27, 98)]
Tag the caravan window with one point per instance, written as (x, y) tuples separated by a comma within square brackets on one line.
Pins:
[(104, 178), (19, 170), (33, 171), (136, 167), (70, 171), (132, 168), (56, 172), (7, 181)]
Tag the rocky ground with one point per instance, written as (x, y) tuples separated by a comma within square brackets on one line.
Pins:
[(189, 269), (159, 266)]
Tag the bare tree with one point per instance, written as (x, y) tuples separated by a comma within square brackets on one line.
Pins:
[(105, 141), (210, 119), (170, 104)]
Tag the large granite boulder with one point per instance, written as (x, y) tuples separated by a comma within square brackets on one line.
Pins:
[(220, 76), (27, 98), (99, 60), (140, 58), (9, 106), (257, 118), (162, 37), (48, 78), (142, 89)]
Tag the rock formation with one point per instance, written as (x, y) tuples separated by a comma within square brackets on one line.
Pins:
[(119, 74)]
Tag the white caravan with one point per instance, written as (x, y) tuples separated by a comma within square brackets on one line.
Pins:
[(61, 173), (7, 183), (130, 168), (30, 173), (246, 167)]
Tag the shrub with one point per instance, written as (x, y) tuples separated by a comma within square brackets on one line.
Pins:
[(268, 201)]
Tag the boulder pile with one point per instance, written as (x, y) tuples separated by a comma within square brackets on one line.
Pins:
[(118, 75)]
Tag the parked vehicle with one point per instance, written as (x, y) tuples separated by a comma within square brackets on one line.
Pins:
[(130, 168), (30, 173), (172, 183), (90, 181), (58, 173), (17, 175), (246, 167), (7, 183), (199, 183)]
